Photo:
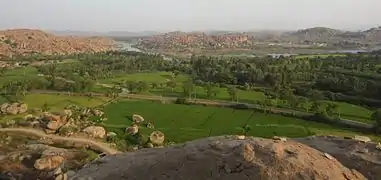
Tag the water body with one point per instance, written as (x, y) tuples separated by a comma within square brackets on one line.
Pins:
[(126, 46)]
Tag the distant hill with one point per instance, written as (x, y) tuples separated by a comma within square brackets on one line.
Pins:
[(107, 34), (213, 40), (75, 33), (328, 35), (29, 41)]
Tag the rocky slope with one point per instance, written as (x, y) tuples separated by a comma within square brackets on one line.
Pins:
[(187, 42), (222, 158), (27, 41), (181, 41)]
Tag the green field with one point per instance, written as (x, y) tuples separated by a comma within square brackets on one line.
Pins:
[(58, 102), (183, 123), (21, 71), (348, 111), (354, 112), (18, 73), (151, 77)]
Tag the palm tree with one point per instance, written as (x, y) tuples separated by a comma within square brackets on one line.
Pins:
[(245, 129)]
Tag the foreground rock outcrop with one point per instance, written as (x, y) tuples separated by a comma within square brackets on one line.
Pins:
[(28, 41), (13, 108), (352, 153), (222, 158)]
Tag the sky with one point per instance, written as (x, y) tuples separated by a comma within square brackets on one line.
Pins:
[(188, 15)]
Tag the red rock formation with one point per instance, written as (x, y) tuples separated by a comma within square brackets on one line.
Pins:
[(27, 41)]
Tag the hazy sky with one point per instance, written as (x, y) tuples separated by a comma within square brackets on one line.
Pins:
[(141, 15)]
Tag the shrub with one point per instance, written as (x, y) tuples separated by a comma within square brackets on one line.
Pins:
[(181, 100), (240, 106)]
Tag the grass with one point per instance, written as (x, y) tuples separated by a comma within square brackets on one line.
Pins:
[(182, 123), (151, 77), (58, 102), (354, 112), (21, 71), (318, 55), (18, 73)]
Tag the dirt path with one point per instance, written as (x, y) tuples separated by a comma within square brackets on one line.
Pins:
[(97, 146)]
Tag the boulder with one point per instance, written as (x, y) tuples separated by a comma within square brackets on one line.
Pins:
[(150, 125), (378, 146), (22, 108), (51, 117), (362, 139), (12, 109), (133, 129), (97, 112), (62, 176), (137, 118), (29, 117), (4, 107), (48, 163), (53, 125), (282, 139), (156, 138), (68, 112), (111, 134), (95, 131)]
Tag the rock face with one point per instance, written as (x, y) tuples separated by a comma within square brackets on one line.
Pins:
[(222, 158), (352, 153), (28, 41), (14, 108), (95, 131)]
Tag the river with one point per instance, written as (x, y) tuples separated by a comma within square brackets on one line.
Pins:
[(127, 46)]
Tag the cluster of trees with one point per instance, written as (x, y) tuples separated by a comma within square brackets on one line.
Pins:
[(106, 65)]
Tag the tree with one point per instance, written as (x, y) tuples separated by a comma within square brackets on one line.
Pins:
[(332, 109), (45, 107), (210, 90), (336, 109), (233, 93), (188, 89), (154, 85), (142, 86), (245, 129), (305, 104), (172, 85), (318, 108)]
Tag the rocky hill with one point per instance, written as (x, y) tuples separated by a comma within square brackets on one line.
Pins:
[(237, 157), (182, 41), (186, 42), (28, 41), (332, 36)]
